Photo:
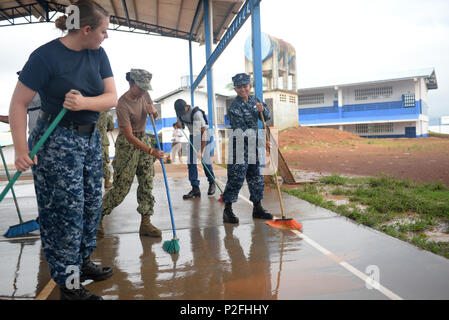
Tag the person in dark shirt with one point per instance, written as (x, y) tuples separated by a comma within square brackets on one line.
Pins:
[(71, 72)]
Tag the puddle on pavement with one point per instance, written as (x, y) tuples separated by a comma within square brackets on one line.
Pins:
[(225, 262)]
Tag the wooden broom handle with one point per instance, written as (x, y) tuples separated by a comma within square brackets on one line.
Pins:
[(275, 173)]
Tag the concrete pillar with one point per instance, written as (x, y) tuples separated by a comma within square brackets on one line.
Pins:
[(275, 71), (417, 95), (340, 101), (285, 81)]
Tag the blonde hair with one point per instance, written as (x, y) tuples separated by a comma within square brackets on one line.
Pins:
[(91, 14)]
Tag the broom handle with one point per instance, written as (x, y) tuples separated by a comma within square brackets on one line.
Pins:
[(275, 173), (35, 149), (165, 179), (12, 189), (196, 152)]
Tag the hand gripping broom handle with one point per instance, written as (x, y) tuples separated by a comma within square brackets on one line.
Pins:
[(275, 173), (35, 149), (196, 152), (165, 179)]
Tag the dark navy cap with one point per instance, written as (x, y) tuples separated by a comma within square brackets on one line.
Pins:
[(180, 107), (240, 79)]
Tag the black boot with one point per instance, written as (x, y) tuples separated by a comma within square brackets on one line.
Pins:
[(211, 190), (195, 192), (228, 214), (261, 213), (90, 271), (77, 294)]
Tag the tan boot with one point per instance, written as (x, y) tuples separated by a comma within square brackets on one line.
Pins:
[(100, 232), (107, 184), (147, 229)]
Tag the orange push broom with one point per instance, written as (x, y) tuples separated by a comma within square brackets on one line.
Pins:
[(283, 223)]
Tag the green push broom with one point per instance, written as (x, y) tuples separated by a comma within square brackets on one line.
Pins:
[(213, 177), (171, 246), (29, 226), (23, 227)]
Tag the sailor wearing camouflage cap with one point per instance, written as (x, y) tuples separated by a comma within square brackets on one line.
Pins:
[(134, 154), (243, 114), (241, 79), (141, 78)]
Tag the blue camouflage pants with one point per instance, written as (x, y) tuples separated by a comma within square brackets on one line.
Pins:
[(67, 182), (237, 172)]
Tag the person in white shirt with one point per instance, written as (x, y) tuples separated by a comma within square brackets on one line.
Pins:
[(176, 143)]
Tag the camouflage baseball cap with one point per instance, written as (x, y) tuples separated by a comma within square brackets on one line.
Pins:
[(240, 79), (142, 78)]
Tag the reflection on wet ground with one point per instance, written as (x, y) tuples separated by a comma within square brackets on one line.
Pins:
[(234, 262), (230, 262)]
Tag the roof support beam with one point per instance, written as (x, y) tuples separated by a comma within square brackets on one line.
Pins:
[(179, 14), (44, 6), (195, 17), (126, 12), (157, 12), (7, 17), (136, 14), (25, 8), (114, 9)]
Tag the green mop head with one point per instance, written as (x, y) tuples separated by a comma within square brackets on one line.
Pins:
[(171, 246)]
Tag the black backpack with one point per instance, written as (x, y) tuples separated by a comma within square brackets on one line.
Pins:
[(195, 110)]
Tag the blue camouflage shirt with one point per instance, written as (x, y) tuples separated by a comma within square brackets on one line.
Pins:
[(244, 115)]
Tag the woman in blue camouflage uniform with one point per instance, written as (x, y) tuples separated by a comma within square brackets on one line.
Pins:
[(71, 72), (243, 114)]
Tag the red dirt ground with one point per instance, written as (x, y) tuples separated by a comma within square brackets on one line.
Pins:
[(330, 151)]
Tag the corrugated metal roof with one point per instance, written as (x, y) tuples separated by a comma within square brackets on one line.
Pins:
[(172, 18), (427, 73)]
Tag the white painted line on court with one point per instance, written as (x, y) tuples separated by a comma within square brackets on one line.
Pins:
[(4, 239), (48, 289), (373, 284)]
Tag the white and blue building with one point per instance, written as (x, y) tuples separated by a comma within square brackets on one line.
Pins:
[(390, 108)]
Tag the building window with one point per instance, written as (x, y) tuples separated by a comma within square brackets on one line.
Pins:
[(314, 98), (292, 99), (361, 128), (373, 93), (409, 100), (220, 115), (365, 128), (283, 98), (381, 128)]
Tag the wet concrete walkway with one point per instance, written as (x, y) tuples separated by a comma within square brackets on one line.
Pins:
[(333, 259)]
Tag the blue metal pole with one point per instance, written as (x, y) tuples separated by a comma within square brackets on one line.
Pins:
[(210, 101), (257, 50), (207, 29), (192, 90)]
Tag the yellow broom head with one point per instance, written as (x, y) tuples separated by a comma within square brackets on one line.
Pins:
[(286, 224)]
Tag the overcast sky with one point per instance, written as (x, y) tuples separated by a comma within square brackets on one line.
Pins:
[(336, 42)]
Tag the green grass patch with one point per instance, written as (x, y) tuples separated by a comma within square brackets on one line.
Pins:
[(438, 135), (400, 208)]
